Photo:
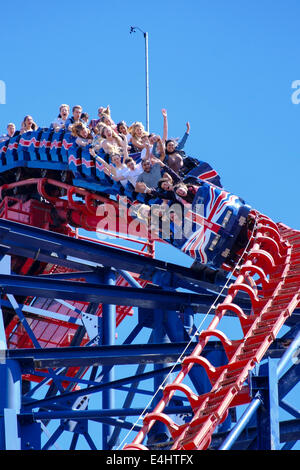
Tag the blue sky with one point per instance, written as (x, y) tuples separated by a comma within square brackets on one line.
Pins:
[(227, 67)]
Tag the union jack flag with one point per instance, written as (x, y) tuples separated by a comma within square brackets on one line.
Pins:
[(214, 207), (205, 172)]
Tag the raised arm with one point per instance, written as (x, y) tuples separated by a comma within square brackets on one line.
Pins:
[(161, 149), (124, 146), (165, 126), (182, 143), (109, 169)]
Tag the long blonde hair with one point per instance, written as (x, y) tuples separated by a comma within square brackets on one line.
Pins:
[(132, 128)]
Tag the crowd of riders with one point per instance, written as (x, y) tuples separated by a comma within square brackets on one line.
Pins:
[(162, 163)]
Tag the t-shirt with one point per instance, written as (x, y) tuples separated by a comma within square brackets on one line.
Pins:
[(122, 172), (174, 161), (4, 137), (144, 152), (152, 177), (59, 122), (134, 174)]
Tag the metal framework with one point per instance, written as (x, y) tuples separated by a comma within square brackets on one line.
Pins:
[(97, 337)]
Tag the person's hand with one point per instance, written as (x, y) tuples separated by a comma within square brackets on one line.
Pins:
[(164, 112), (124, 141), (187, 127)]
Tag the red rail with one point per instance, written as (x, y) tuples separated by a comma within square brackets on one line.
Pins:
[(270, 275), (51, 332)]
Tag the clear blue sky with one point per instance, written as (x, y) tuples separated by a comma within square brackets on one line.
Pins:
[(227, 67)]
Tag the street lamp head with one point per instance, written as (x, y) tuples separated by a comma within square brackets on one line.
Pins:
[(132, 29)]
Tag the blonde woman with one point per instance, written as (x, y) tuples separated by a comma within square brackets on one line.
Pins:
[(137, 132), (117, 169), (111, 139)]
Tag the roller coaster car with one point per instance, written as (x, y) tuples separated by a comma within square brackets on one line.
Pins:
[(211, 230)]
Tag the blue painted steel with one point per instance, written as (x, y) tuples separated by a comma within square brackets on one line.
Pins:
[(268, 414), (40, 244), (256, 402), (99, 293), (241, 424), (286, 358), (10, 404), (109, 333)]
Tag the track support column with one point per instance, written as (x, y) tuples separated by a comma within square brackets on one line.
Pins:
[(109, 332), (10, 404), (268, 413)]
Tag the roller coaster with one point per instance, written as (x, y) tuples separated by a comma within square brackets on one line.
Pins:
[(74, 309)]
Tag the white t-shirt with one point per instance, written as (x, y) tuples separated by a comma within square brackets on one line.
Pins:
[(144, 152), (133, 174), (122, 172), (4, 137), (59, 122)]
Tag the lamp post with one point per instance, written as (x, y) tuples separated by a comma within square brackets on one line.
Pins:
[(133, 30)]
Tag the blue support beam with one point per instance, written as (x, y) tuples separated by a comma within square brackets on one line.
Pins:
[(10, 404), (268, 413), (107, 294), (55, 401), (42, 245), (109, 333), (99, 264)]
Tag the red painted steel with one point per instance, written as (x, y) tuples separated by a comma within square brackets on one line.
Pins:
[(51, 332), (270, 275)]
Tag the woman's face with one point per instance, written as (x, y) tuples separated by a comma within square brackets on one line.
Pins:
[(170, 146), (166, 186), (122, 129), (108, 132), (28, 122), (138, 131), (181, 191)]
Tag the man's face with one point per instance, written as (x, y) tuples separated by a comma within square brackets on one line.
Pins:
[(116, 159), (11, 129), (146, 166), (77, 113), (64, 112), (131, 165)]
